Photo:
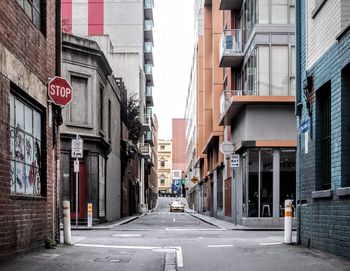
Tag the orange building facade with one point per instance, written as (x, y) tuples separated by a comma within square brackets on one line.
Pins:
[(245, 96)]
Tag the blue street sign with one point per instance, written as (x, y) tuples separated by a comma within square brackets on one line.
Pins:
[(304, 126)]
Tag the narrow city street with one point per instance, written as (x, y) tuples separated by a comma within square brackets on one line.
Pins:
[(162, 240)]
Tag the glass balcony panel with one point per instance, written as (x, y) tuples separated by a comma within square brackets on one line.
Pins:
[(148, 47), (148, 4), (148, 24), (231, 49)]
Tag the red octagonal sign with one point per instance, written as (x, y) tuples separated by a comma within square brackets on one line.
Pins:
[(60, 91)]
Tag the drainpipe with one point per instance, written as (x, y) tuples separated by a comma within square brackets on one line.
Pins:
[(298, 108)]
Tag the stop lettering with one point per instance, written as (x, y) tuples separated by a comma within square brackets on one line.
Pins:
[(60, 91)]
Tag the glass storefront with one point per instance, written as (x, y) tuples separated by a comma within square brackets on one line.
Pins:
[(262, 176)]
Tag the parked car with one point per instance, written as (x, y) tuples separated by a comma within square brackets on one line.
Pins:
[(177, 205)]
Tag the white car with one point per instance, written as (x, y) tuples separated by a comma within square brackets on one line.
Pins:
[(177, 205)]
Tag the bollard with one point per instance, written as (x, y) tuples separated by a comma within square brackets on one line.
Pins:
[(288, 211), (66, 222)]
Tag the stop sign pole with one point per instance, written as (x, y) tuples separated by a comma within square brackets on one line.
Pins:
[(60, 91)]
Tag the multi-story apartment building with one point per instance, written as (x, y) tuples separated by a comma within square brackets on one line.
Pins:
[(257, 55), (94, 115), (245, 56), (164, 167), (124, 32), (323, 103), (29, 145)]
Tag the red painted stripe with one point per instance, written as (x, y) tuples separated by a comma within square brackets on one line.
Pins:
[(67, 16), (96, 17)]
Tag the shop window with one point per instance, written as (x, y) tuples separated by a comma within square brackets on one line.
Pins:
[(25, 148), (33, 8), (323, 135), (287, 177), (253, 183)]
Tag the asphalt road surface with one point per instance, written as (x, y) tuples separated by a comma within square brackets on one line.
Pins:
[(176, 241)]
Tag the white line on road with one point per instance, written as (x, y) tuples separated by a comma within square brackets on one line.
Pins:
[(173, 219), (271, 244), (220, 245)]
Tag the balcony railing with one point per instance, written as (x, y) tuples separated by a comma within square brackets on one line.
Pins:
[(148, 4), (225, 99), (148, 69), (148, 47), (146, 150), (231, 49), (148, 24), (146, 122), (149, 96)]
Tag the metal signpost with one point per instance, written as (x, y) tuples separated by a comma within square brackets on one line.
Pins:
[(77, 152)]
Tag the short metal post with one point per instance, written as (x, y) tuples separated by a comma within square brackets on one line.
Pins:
[(66, 222), (288, 211)]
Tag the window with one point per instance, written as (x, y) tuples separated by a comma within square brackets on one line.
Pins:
[(279, 70), (264, 68), (25, 148), (345, 124), (33, 9), (79, 104), (292, 73), (324, 137), (109, 120), (162, 163), (162, 180), (279, 9), (101, 109), (276, 11), (162, 147)]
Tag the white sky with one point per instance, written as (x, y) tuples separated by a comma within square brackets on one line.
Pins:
[(173, 35)]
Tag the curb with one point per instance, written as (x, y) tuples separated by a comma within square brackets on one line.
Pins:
[(238, 229)]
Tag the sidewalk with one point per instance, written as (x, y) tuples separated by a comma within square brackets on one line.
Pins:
[(108, 225), (224, 225)]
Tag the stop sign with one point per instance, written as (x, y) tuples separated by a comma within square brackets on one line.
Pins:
[(60, 91)]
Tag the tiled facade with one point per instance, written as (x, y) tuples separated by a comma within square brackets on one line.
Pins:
[(325, 198)]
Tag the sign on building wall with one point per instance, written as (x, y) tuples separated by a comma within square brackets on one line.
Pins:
[(234, 160)]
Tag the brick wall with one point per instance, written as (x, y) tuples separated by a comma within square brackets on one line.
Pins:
[(27, 60), (325, 222)]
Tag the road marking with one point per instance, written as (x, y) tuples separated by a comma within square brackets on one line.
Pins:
[(173, 219), (127, 235), (186, 229), (220, 245), (271, 244), (178, 250)]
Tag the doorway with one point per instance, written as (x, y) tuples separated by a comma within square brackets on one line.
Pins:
[(82, 189)]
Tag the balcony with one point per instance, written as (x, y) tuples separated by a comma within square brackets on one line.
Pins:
[(231, 48), (148, 9), (146, 150), (148, 30), (148, 52), (225, 99), (146, 122), (149, 96), (230, 4), (232, 102), (149, 138), (149, 74)]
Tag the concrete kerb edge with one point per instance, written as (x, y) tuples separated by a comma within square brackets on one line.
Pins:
[(205, 221)]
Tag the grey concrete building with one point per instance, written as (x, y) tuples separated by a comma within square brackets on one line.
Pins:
[(124, 32), (94, 115)]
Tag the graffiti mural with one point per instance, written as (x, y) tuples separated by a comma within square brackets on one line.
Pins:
[(25, 149)]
